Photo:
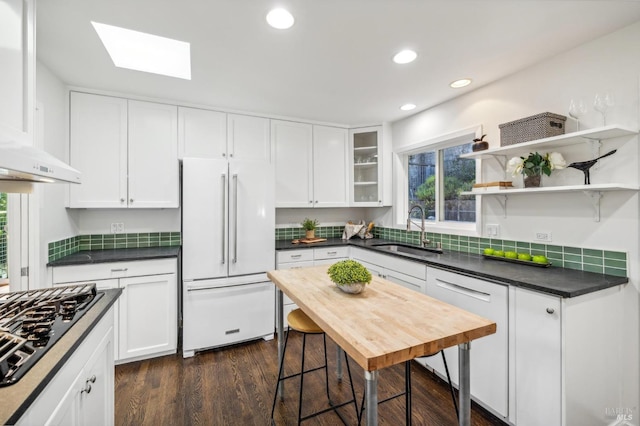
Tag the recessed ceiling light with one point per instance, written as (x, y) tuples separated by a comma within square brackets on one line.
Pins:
[(460, 83), (280, 19), (407, 107), (405, 57), (146, 52)]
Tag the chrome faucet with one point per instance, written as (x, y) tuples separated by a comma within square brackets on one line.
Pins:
[(423, 240)]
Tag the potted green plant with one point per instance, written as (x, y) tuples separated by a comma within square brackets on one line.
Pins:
[(310, 225), (349, 275), (534, 165)]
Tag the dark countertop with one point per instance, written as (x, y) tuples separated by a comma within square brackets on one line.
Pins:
[(17, 398), (556, 281), (116, 255)]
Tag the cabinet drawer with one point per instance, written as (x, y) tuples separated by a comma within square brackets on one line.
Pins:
[(286, 256), (103, 271), (330, 252)]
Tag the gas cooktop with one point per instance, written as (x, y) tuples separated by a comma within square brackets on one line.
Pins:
[(31, 322)]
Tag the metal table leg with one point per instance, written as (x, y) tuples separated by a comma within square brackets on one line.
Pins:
[(280, 330), (464, 367), (371, 391), (339, 362)]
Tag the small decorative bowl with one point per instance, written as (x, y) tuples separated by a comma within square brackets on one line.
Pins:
[(353, 288)]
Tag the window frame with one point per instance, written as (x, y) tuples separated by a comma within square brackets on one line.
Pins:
[(401, 196)]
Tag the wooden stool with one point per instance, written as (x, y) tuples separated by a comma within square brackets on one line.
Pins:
[(407, 391), (300, 322)]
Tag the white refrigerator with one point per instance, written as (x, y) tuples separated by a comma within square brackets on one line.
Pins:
[(228, 245)]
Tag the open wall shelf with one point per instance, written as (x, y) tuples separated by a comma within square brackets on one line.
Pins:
[(590, 135)]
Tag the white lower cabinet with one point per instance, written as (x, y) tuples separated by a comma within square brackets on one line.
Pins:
[(489, 355), (538, 356), (412, 276), (146, 322), (304, 258), (82, 392), (566, 355)]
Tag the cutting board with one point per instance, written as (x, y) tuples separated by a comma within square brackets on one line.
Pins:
[(311, 240)]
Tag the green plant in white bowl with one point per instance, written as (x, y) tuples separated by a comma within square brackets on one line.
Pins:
[(350, 276)]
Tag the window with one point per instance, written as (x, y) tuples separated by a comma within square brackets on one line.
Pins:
[(436, 177)]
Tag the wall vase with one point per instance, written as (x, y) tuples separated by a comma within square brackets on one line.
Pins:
[(532, 181)]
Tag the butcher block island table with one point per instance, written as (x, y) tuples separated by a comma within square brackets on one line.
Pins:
[(384, 325)]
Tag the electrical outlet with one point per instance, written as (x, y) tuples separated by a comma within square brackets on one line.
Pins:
[(493, 230), (543, 236), (114, 228), (120, 228)]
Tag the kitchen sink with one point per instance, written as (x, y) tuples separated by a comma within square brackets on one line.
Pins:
[(411, 251)]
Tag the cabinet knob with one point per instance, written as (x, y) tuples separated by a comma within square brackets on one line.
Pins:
[(224, 154), (131, 200), (92, 379), (122, 200), (87, 388), (231, 155), (316, 201), (550, 310), (310, 201)]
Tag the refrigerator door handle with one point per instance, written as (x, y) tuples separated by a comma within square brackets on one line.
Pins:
[(235, 221), (224, 214)]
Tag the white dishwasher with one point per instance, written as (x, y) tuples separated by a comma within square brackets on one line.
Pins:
[(489, 355)]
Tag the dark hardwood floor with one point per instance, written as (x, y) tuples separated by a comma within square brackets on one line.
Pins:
[(235, 386)]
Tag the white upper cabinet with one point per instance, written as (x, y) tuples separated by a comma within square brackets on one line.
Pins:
[(17, 69), (330, 166), (248, 138), (98, 150), (366, 159), (311, 165), (154, 174), (127, 152), (293, 158), (202, 133)]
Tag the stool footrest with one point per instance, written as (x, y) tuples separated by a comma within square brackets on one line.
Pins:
[(304, 372), (326, 410)]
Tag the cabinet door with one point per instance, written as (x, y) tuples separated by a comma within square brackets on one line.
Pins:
[(148, 315), (202, 133), (153, 155), (17, 75), (330, 167), (293, 159), (98, 149), (538, 358), (366, 166), (97, 380), (248, 138)]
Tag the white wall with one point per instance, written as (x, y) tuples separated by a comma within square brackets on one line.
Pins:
[(55, 221), (609, 63), (58, 222)]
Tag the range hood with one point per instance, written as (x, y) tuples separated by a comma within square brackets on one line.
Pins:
[(22, 165)]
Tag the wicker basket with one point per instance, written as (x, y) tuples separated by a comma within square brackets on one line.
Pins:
[(537, 126)]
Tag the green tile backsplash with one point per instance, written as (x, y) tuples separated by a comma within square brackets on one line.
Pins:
[(59, 249), (583, 259)]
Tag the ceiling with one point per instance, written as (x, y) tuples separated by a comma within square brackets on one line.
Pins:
[(334, 65)]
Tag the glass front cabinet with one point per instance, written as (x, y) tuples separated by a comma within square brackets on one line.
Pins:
[(366, 166)]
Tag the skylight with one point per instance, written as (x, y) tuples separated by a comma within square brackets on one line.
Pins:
[(146, 52)]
